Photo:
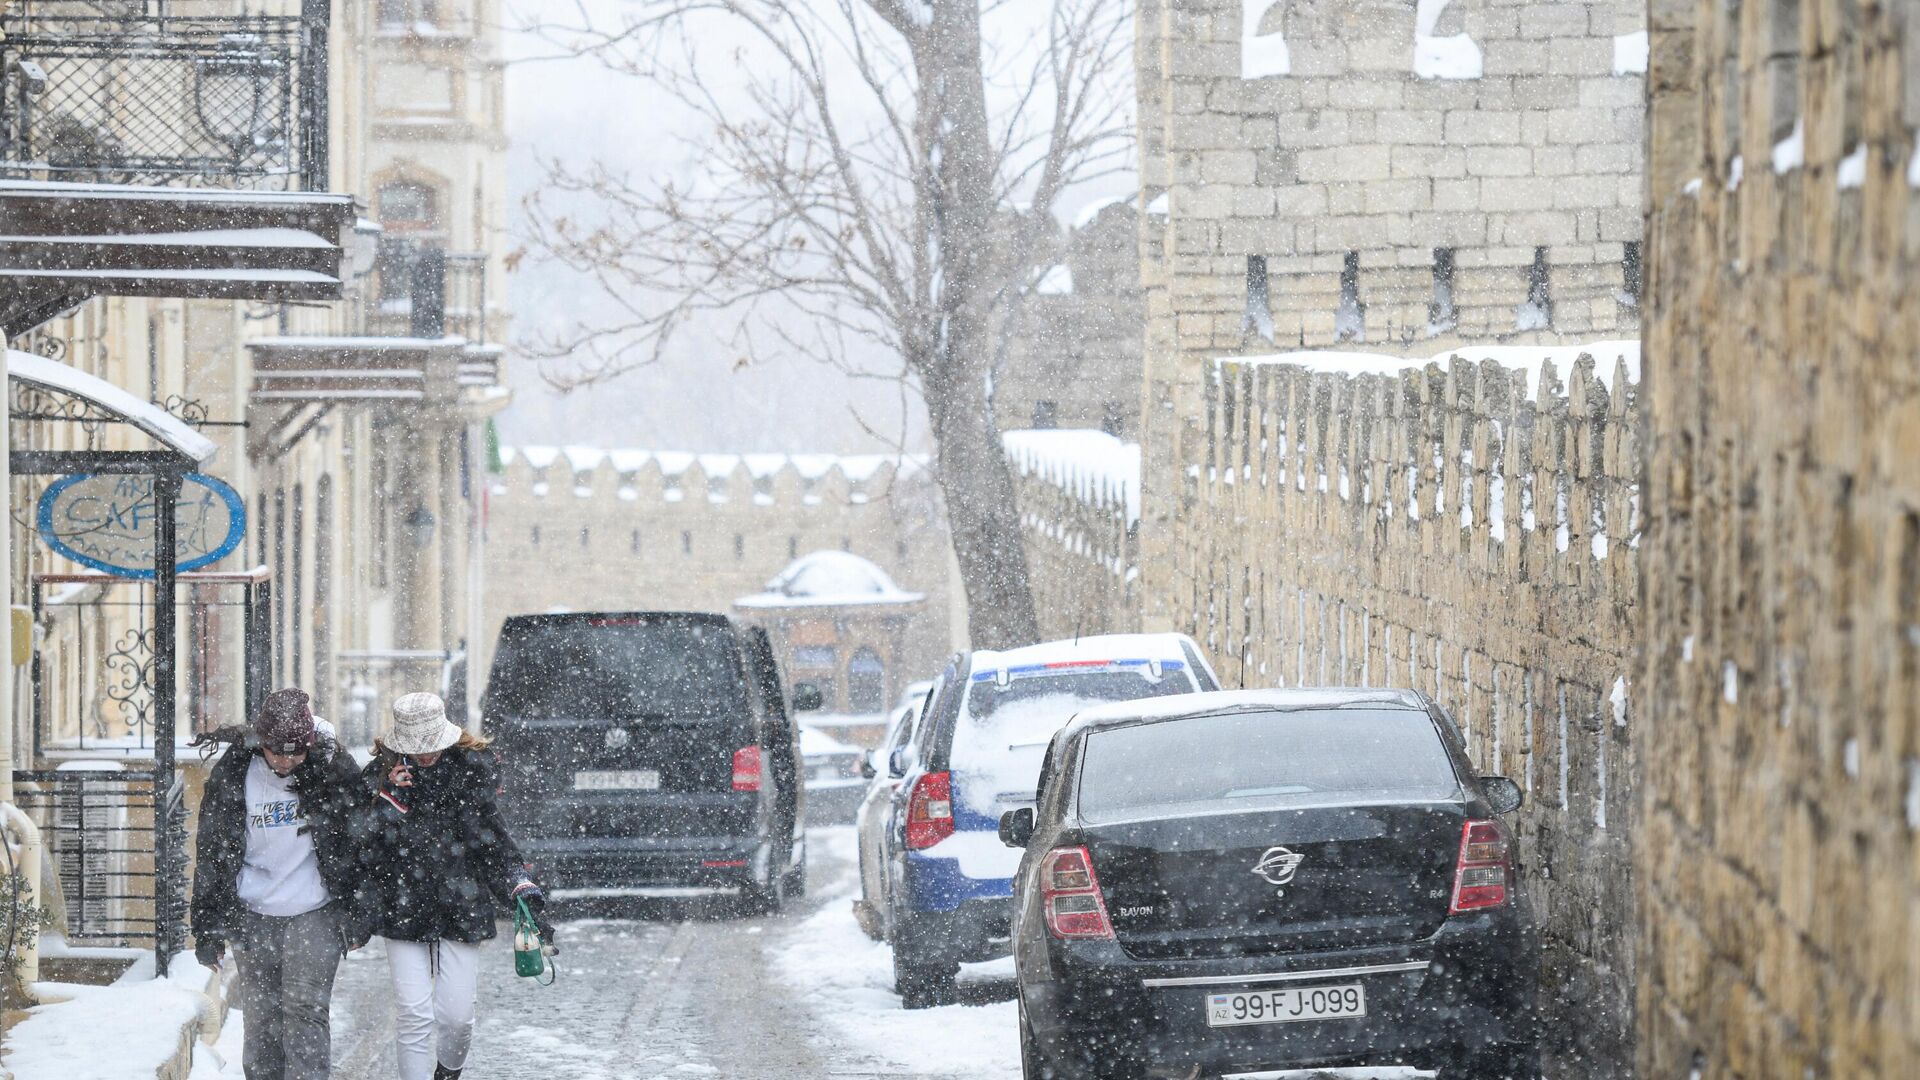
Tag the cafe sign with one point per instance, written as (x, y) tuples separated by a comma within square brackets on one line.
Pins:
[(106, 521)]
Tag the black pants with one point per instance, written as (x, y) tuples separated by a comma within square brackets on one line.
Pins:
[(286, 987)]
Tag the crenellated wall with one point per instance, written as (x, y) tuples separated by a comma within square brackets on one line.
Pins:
[(587, 529)]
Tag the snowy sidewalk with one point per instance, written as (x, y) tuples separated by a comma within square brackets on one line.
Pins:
[(137, 1028)]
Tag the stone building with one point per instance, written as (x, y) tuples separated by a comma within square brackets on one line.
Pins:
[(1779, 701), (1381, 175), (588, 529), (839, 622), (1073, 359)]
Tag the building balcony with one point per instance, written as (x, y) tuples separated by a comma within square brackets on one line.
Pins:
[(166, 148), (164, 93), (411, 331)]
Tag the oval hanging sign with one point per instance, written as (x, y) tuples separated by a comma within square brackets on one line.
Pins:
[(106, 522)]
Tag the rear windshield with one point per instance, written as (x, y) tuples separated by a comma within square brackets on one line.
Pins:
[(1258, 760), (624, 667), (1001, 736)]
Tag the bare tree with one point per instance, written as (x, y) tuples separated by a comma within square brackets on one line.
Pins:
[(892, 182)]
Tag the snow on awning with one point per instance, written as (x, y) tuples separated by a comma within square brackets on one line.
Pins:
[(145, 415), (830, 579)]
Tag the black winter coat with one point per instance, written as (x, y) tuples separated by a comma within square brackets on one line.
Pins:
[(332, 799), (437, 854)]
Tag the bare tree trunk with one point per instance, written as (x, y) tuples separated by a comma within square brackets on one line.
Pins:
[(982, 511)]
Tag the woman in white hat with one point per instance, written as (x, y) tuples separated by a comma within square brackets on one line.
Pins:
[(445, 868)]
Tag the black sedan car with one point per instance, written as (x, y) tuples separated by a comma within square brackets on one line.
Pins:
[(1276, 879)]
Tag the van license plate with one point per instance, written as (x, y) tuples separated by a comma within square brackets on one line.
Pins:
[(617, 780), (1285, 1006)]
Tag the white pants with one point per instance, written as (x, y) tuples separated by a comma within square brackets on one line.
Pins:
[(434, 990)]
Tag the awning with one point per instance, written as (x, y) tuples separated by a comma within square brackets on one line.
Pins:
[(61, 244), (145, 415)]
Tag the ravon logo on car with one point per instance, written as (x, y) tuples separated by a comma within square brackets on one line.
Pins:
[(1277, 865)]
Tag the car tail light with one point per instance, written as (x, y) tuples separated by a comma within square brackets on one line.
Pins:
[(1070, 895), (1485, 867), (746, 769), (930, 810)]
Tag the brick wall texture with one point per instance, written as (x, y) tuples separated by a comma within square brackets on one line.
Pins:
[(1777, 715)]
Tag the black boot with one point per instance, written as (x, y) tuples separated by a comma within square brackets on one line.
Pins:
[(441, 1072)]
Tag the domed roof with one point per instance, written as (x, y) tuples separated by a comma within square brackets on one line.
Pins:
[(830, 578)]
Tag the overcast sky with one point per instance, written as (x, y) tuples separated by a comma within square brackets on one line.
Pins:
[(702, 396)]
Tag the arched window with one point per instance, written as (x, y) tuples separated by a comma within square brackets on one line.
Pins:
[(866, 682), (407, 206)]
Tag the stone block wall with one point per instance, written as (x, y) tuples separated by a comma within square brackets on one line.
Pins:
[(589, 530), (1441, 530), (1778, 708)]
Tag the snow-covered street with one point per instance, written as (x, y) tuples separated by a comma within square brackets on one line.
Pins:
[(680, 989)]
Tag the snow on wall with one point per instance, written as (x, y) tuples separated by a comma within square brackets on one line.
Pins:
[(1093, 465), (588, 471)]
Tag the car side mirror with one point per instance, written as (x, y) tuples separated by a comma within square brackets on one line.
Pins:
[(806, 697), (1016, 827), (1503, 795), (898, 761), (868, 769)]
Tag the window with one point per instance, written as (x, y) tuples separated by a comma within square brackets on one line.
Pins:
[(409, 12), (585, 537), (297, 615), (815, 656), (846, 543), (866, 682), (1633, 275), (408, 206), (1113, 419), (536, 536), (1442, 316), (686, 542), (1537, 312), (636, 542), (1258, 318), (739, 546), (1046, 415), (1350, 318), (793, 547), (323, 590), (900, 550), (280, 572)]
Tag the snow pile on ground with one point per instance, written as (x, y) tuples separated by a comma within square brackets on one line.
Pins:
[(140, 1017), (846, 981), (1086, 463)]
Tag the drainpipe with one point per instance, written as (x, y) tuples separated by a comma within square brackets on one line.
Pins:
[(22, 837), (17, 830)]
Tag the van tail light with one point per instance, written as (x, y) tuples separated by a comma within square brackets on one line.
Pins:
[(746, 769), (1485, 869), (930, 810), (1070, 895)]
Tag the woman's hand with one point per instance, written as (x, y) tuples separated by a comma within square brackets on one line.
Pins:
[(400, 775)]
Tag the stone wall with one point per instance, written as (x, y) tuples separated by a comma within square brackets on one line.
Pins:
[(1441, 530), (587, 530), (1778, 707), (1079, 514)]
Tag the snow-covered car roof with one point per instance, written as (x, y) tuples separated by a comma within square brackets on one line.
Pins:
[(1222, 701), (1093, 649)]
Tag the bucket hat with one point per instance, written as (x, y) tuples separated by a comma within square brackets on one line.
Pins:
[(285, 722), (419, 725)]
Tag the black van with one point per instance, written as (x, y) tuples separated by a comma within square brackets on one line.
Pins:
[(649, 749)]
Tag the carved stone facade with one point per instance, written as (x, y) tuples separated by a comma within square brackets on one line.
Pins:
[(1779, 699)]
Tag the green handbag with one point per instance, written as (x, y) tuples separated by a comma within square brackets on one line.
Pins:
[(529, 955)]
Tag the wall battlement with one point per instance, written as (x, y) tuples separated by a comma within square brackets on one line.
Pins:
[(699, 479)]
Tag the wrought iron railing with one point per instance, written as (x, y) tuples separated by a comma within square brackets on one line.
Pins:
[(165, 92), (121, 882), (417, 290)]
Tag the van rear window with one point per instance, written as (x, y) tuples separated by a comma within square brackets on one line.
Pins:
[(626, 667)]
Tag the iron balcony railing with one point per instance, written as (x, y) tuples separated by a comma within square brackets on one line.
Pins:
[(417, 290), (186, 93)]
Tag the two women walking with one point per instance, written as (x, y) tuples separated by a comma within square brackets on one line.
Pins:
[(303, 856)]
